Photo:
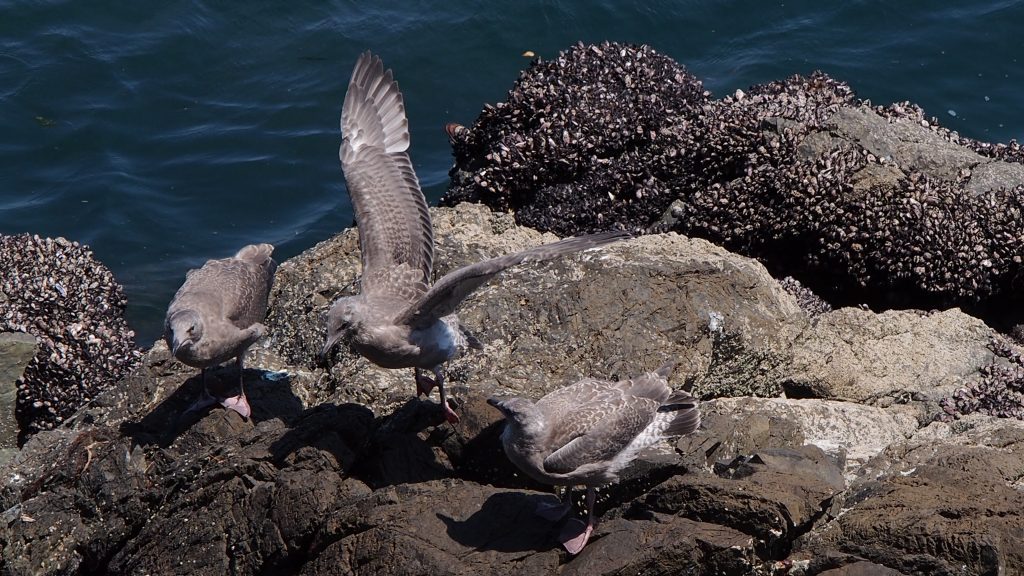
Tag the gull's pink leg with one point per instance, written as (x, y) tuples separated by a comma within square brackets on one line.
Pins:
[(424, 384), (575, 533), (449, 414), (238, 403), (205, 399)]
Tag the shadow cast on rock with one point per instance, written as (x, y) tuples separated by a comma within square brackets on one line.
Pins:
[(507, 522), (342, 431), (270, 396), (399, 450)]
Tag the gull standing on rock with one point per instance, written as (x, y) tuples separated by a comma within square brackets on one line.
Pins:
[(216, 315), (399, 320), (586, 433)]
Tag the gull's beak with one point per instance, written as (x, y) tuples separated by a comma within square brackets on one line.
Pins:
[(325, 353), (498, 403), (176, 345)]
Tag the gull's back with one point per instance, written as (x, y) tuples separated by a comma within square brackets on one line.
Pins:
[(231, 289)]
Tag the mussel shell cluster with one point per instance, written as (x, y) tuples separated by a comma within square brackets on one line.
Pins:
[(55, 290), (998, 392), (612, 135)]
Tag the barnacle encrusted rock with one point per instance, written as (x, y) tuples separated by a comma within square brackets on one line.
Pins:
[(809, 302), (56, 291), (861, 203), (584, 140), (998, 392)]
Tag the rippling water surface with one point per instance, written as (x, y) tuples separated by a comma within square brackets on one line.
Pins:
[(163, 134)]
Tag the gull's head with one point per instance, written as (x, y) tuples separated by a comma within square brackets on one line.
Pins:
[(518, 412), (341, 324), (182, 331)]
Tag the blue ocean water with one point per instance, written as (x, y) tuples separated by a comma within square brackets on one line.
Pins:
[(163, 134)]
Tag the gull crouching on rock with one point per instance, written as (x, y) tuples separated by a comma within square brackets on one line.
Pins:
[(216, 315), (400, 320), (586, 433)]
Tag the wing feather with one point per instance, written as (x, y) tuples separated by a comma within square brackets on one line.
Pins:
[(395, 232), (614, 430), (595, 420), (449, 292)]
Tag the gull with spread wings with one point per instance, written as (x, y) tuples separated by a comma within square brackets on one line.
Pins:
[(400, 320)]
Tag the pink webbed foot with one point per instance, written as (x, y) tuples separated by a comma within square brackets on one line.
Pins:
[(575, 534), (450, 415), (239, 404)]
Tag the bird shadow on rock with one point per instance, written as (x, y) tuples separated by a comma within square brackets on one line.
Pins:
[(507, 522), (400, 449), (270, 397), (343, 431), (415, 444)]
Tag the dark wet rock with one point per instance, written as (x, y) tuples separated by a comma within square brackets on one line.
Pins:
[(437, 527), (130, 491), (57, 292), (861, 568), (16, 351), (664, 544), (874, 205), (773, 496), (947, 501)]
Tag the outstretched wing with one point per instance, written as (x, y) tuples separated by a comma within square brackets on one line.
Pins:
[(446, 295), (395, 232)]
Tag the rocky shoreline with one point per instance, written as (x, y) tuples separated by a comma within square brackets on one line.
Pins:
[(835, 441), (864, 204)]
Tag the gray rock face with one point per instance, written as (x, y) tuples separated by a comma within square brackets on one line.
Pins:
[(315, 483), (897, 357), (902, 141), (16, 350), (849, 433)]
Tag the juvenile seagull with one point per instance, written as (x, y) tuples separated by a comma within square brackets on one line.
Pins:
[(399, 320), (586, 433), (216, 314)]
